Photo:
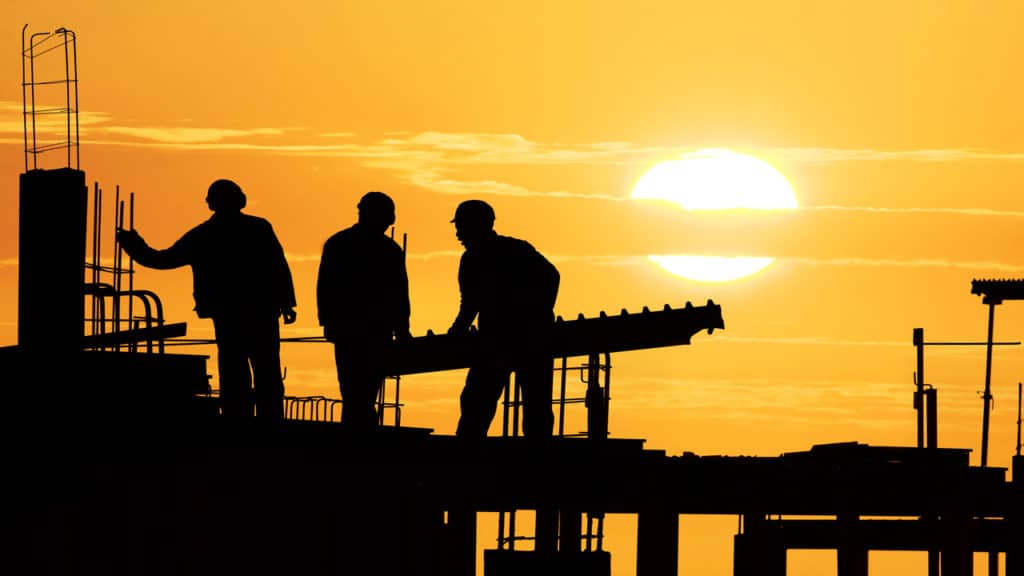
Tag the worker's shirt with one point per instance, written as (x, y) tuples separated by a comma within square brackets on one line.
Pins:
[(238, 266), (509, 284), (362, 285)]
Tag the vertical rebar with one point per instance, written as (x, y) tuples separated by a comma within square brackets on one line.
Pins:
[(131, 269), (501, 531), (398, 406), (512, 530), (67, 93), (74, 54), (919, 381), (95, 254), (118, 262), (515, 406), (32, 81), (561, 399), (607, 395), (504, 412), (1018, 417), (24, 98), (932, 407)]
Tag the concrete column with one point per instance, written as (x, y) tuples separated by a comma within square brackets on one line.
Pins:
[(51, 259), (1015, 554), (546, 530), (570, 528), (851, 554), (759, 550), (461, 542), (657, 546), (956, 557)]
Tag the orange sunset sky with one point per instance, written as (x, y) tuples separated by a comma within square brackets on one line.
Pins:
[(900, 126)]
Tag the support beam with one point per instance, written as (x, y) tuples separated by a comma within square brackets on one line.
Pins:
[(546, 530), (759, 550), (851, 554), (657, 546), (461, 542), (570, 528)]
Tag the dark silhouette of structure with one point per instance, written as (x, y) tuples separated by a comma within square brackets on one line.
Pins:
[(512, 288), (115, 464), (362, 296), (993, 293), (242, 282)]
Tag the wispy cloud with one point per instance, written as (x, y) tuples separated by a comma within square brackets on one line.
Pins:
[(188, 135), (596, 259), (642, 260), (812, 155), (436, 160), (988, 265), (982, 212), (811, 340)]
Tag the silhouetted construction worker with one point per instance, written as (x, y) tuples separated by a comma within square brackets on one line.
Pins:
[(241, 281), (512, 288), (362, 296)]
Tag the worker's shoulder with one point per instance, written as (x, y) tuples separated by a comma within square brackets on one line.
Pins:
[(253, 220), (511, 243), (354, 237)]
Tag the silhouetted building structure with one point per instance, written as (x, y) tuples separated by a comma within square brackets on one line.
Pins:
[(116, 465)]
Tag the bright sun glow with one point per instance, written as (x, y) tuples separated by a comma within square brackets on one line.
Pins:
[(715, 179)]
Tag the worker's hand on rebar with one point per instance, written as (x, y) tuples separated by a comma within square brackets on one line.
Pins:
[(289, 315), (130, 241), (128, 238)]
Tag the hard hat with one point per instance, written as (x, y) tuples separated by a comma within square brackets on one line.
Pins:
[(375, 201), (225, 195), (474, 210)]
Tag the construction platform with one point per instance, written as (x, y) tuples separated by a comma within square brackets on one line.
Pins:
[(129, 484)]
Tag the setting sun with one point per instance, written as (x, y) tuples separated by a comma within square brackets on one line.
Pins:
[(715, 179)]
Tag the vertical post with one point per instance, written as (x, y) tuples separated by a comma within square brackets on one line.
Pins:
[(956, 558), (759, 550), (561, 399), (932, 408), (919, 393), (987, 396), (570, 528), (993, 563), (546, 530), (1018, 417), (461, 530), (1014, 555), (657, 544), (851, 555), (933, 563), (597, 407)]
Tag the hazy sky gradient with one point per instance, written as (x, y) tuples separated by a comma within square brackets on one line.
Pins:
[(899, 126)]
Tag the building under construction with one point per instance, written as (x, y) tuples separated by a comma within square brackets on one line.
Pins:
[(118, 461)]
